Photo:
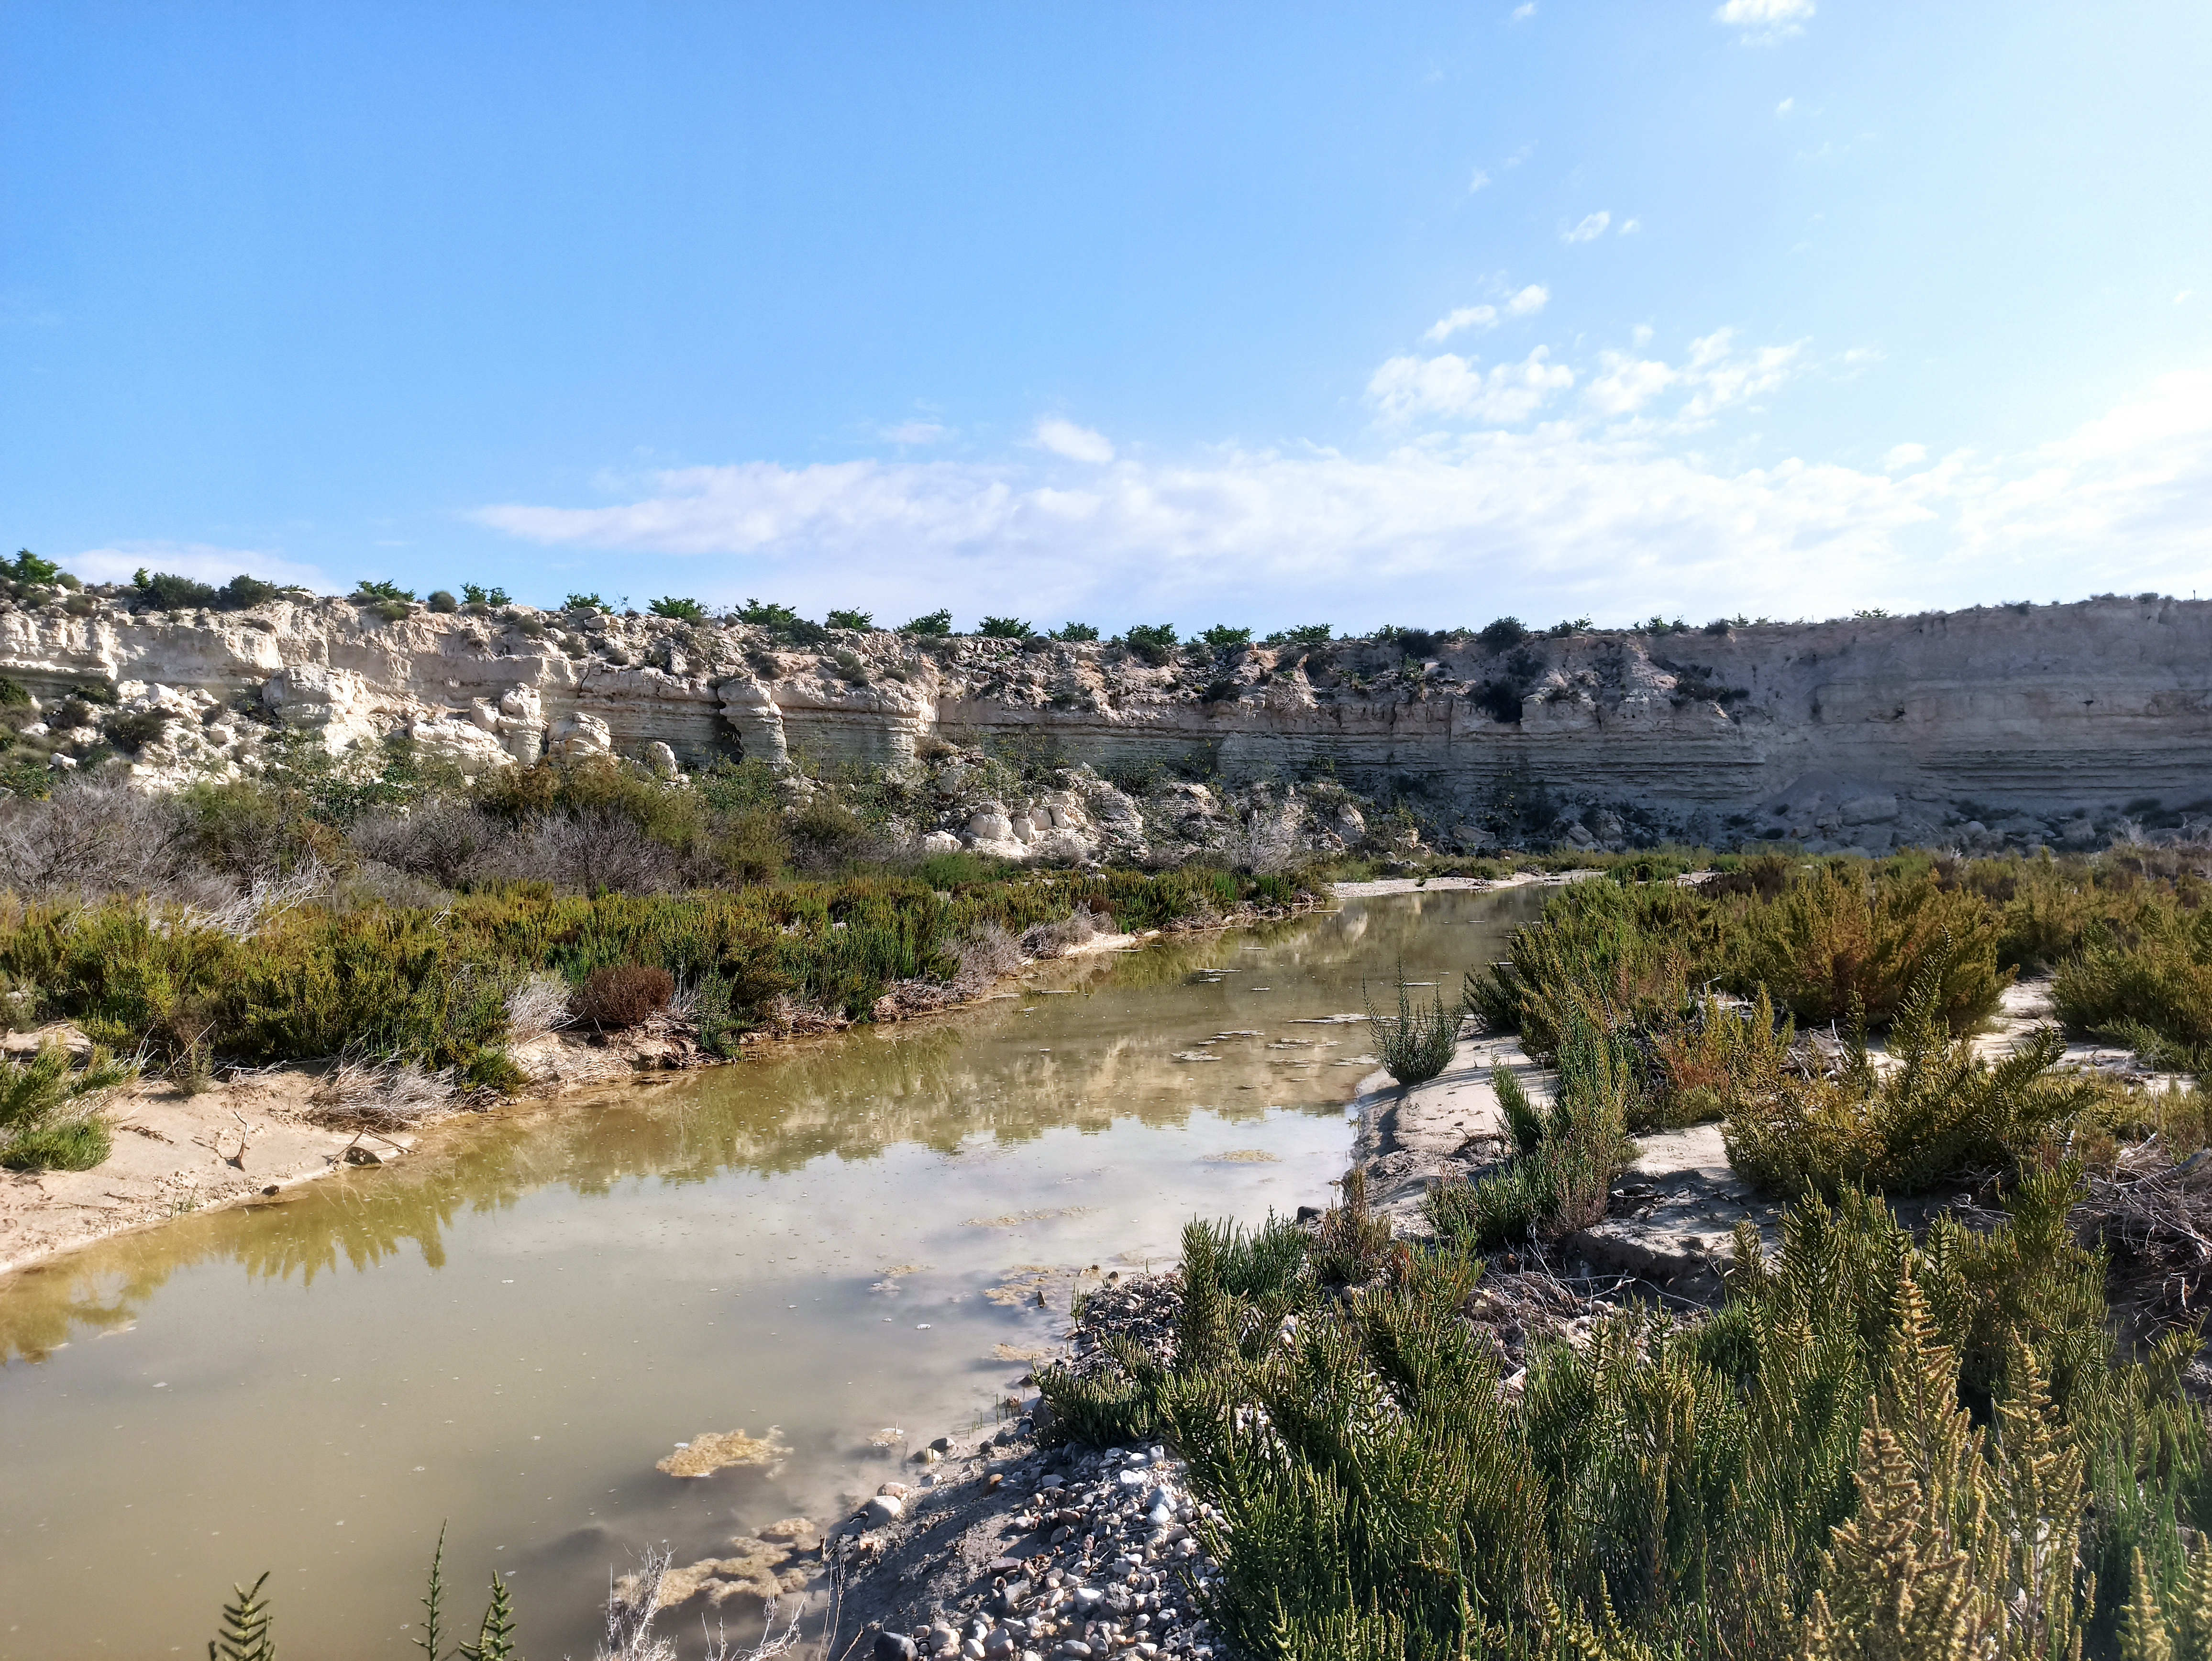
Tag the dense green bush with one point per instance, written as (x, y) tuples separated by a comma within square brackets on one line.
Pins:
[(782, 623), (690, 611), (48, 1118), (2147, 982), (1940, 1109), (430, 983), (1714, 1490), (1844, 937), (1909, 944), (27, 567), (133, 732), (1004, 628), (165, 592), (1154, 642), (1566, 1156), (851, 619)]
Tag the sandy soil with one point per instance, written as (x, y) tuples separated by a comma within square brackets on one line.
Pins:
[(1361, 890), (246, 1136)]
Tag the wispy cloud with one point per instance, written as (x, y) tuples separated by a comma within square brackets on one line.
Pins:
[(911, 433), (1763, 22), (1464, 317), (1625, 384), (1523, 13), (1407, 388), (1589, 229), (1064, 438), (1480, 180), (1524, 302)]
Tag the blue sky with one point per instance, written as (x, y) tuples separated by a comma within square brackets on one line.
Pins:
[(1269, 314)]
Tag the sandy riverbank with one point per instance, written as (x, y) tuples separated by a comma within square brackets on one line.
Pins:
[(249, 1136)]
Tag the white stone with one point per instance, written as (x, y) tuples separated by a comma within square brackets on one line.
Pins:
[(885, 1508), (577, 735), (336, 704)]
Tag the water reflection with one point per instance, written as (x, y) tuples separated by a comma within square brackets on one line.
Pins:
[(1082, 1044), (509, 1329)]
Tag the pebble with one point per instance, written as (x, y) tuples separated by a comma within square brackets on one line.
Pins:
[(1109, 1572), (1105, 1563)]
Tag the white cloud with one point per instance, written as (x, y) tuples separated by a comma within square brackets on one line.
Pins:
[(1641, 334), (1464, 317), (1521, 13), (915, 432), (1629, 227), (1626, 384), (1785, 107), (1722, 377), (1480, 182), (1452, 386), (1526, 303), (1557, 519), (1590, 228), (1762, 22), (206, 562), (1064, 438), (1903, 456)]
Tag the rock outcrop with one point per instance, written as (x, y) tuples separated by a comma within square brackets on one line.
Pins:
[(2005, 724)]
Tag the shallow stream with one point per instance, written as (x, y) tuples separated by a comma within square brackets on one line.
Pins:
[(840, 1245)]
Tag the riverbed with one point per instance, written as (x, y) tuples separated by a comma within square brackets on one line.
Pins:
[(844, 1249)]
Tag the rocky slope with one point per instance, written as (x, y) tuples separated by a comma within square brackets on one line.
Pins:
[(2066, 724)]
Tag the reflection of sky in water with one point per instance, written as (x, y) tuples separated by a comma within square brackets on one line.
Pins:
[(560, 1296)]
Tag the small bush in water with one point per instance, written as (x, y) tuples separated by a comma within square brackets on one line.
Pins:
[(1415, 1044)]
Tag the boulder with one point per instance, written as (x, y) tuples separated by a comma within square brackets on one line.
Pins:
[(313, 697), (573, 737)]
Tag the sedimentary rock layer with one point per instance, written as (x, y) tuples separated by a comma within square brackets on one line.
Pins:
[(1794, 728)]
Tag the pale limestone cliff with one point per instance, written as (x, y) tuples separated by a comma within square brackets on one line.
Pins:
[(2019, 723)]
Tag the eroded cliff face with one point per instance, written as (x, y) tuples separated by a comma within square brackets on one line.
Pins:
[(2019, 722)]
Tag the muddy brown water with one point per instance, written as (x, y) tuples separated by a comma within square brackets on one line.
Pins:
[(840, 1242)]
